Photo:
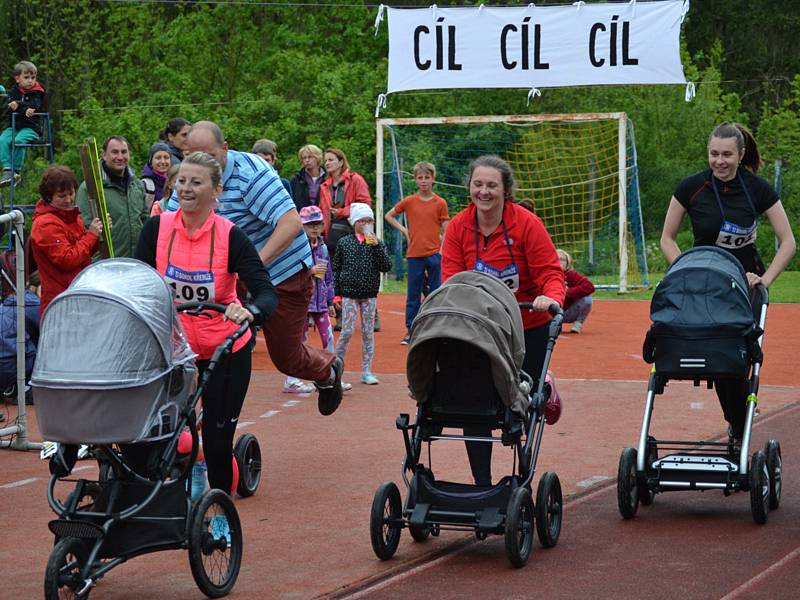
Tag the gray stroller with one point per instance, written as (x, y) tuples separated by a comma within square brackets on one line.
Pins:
[(464, 369), (114, 371)]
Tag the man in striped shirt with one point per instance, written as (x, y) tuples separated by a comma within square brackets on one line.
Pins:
[(256, 201)]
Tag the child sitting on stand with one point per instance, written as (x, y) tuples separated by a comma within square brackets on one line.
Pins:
[(578, 302)]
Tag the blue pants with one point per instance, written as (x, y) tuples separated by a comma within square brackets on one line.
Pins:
[(23, 136), (417, 267)]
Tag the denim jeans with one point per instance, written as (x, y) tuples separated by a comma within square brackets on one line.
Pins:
[(417, 267)]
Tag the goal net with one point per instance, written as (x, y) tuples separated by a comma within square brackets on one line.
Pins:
[(579, 170)]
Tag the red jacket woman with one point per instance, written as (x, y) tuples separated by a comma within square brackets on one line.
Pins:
[(61, 244), (340, 189)]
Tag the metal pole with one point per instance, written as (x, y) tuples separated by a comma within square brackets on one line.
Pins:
[(623, 205)]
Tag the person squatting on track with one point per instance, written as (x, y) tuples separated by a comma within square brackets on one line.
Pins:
[(255, 200), (357, 266), (578, 301), (723, 203), (495, 235), (201, 254)]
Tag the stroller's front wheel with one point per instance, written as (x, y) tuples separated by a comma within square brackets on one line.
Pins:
[(759, 487), (248, 458), (549, 509), (775, 466), (215, 543), (519, 527), (384, 526), (62, 574), (627, 484)]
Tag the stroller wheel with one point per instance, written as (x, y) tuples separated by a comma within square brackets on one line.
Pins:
[(759, 487), (62, 575), (420, 534), (384, 521), (549, 509), (627, 484), (248, 457), (646, 495), (775, 466), (215, 543), (519, 527)]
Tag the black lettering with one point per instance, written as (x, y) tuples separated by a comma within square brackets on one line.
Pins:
[(504, 47), (626, 45), (439, 45), (593, 45), (451, 49), (422, 66), (612, 43), (537, 49), (187, 293), (525, 62), (202, 294)]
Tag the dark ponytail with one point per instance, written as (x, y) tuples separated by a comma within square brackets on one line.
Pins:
[(173, 126), (744, 139)]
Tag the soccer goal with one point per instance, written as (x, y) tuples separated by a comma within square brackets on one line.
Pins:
[(579, 170)]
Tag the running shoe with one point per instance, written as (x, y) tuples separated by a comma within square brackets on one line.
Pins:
[(330, 392), (346, 387), (404, 341), (297, 387), (220, 528), (369, 379)]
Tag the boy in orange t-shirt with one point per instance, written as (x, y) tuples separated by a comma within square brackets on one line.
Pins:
[(427, 218)]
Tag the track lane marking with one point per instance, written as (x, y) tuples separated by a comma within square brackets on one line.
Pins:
[(769, 571)]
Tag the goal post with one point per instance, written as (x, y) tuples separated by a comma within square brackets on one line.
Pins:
[(579, 170)]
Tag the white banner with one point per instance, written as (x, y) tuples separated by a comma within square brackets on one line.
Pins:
[(536, 46)]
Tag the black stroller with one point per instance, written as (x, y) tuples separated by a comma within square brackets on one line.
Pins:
[(464, 368), (705, 328), (115, 371)]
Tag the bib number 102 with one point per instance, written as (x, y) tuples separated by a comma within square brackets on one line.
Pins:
[(189, 293), (736, 241)]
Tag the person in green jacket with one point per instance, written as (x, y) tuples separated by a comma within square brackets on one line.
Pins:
[(125, 197)]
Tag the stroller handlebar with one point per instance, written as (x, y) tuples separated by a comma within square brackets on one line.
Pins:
[(197, 308), (554, 309)]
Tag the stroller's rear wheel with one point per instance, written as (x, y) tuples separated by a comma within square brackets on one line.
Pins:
[(627, 484), (775, 466), (248, 457), (62, 574), (420, 534), (519, 527), (759, 487), (384, 527), (549, 507), (215, 543)]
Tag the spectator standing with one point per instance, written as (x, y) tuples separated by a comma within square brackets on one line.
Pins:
[(154, 174), (174, 136), (357, 266), (124, 193), (427, 218), (8, 328), (169, 185), (268, 150), (26, 97), (254, 199), (62, 246), (578, 301), (307, 181)]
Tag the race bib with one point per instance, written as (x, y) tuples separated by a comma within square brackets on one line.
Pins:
[(732, 236), (508, 275), (190, 285)]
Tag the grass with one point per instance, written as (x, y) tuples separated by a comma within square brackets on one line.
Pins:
[(786, 289)]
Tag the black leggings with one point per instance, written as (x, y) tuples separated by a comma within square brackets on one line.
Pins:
[(480, 453), (222, 402), (732, 395)]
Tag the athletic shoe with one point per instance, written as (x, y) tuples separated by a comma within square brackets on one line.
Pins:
[(369, 379), (346, 387), (330, 391), (220, 528), (576, 327), (298, 387), (404, 341), (5, 178)]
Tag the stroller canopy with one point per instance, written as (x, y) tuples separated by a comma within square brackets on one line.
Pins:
[(704, 290), (114, 327), (475, 308)]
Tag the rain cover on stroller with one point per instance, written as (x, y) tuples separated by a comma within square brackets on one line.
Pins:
[(478, 309), (113, 364), (703, 321)]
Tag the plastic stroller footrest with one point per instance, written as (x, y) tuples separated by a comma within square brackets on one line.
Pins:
[(490, 519), (420, 514)]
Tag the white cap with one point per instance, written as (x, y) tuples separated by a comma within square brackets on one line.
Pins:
[(358, 211)]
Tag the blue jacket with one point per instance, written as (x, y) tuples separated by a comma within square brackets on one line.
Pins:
[(8, 335)]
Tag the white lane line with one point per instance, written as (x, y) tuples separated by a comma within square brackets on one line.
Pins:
[(585, 483), (270, 413), (768, 572), (697, 405), (19, 483), (83, 468), (290, 403), (244, 424)]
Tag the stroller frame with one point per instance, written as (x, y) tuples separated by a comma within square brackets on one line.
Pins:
[(77, 560), (702, 465), (506, 508)]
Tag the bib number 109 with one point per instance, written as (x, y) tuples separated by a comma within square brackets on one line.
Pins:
[(188, 293)]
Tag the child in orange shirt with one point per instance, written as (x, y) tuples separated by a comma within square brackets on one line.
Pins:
[(427, 218)]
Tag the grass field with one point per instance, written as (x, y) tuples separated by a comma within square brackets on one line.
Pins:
[(786, 289)]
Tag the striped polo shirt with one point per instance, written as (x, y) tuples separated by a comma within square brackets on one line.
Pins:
[(254, 198)]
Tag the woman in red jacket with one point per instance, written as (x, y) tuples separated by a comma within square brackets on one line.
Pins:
[(578, 302), (495, 235), (340, 189), (62, 246)]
